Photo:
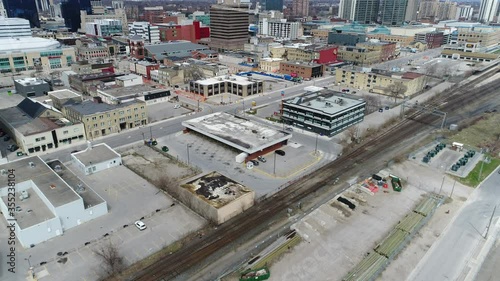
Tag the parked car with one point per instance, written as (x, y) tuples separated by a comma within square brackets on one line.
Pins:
[(140, 225), (280, 152), (262, 159), (255, 162), (353, 92), (12, 147), (387, 108), (177, 106), (290, 129), (6, 138), (381, 110)]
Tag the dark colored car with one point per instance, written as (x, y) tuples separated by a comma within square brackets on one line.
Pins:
[(262, 159), (381, 110), (255, 162), (13, 147), (280, 152), (386, 108)]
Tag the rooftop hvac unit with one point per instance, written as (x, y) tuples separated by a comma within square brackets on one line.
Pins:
[(31, 164), (57, 168), (24, 195), (3, 172)]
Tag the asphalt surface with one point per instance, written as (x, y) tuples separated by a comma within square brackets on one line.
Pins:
[(450, 257), (171, 126)]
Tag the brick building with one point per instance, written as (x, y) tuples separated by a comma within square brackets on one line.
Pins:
[(305, 70)]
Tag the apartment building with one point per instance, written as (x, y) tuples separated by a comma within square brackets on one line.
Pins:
[(100, 119), (378, 81)]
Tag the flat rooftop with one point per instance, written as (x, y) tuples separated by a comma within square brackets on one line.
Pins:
[(28, 81), (89, 107), (64, 94), (128, 77), (32, 210), (97, 154), (216, 189), (90, 198), (26, 125), (302, 63), (57, 191), (118, 92), (325, 101), (237, 132), (241, 80)]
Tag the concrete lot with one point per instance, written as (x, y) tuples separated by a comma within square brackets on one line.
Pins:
[(335, 241), (209, 155), (165, 110), (126, 195)]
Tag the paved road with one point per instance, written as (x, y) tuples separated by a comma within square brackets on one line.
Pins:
[(402, 62), (453, 256), (171, 126)]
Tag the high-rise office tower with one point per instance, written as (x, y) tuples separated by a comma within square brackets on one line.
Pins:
[(488, 10), (271, 5), (300, 8), (427, 8), (362, 11), (393, 12), (229, 25), (3, 12), (411, 10), (25, 9), (70, 10)]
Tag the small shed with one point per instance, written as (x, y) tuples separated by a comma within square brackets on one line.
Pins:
[(96, 158)]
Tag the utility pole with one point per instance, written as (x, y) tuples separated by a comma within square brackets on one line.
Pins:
[(441, 185), (274, 169), (187, 147), (453, 188), (489, 224), (481, 170), (316, 147)]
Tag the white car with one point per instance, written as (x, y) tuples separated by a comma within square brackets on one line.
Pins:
[(177, 106), (140, 225)]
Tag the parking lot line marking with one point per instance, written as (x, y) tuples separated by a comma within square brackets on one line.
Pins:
[(78, 252)]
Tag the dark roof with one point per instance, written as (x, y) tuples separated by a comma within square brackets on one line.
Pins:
[(89, 107), (32, 108)]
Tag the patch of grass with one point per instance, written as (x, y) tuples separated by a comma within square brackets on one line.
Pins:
[(481, 132), (473, 178)]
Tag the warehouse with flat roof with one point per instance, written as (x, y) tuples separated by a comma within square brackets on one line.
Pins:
[(49, 200), (239, 133)]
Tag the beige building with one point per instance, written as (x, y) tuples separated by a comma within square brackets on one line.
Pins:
[(277, 52), (358, 55), (270, 64), (320, 33), (485, 36), (37, 127), (458, 53), (119, 14), (216, 197), (378, 81), (46, 61), (61, 97), (102, 119), (403, 41), (236, 85)]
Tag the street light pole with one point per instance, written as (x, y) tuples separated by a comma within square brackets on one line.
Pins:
[(187, 147), (30, 267), (316, 147), (274, 169)]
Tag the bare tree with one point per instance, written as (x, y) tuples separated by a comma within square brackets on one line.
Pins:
[(352, 133), (111, 260), (168, 184), (372, 103), (396, 90)]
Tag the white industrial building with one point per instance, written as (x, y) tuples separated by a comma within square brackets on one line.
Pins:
[(49, 199), (128, 80), (96, 158), (145, 30), (279, 28), (14, 28)]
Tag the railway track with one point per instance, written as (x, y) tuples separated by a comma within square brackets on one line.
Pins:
[(198, 251)]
